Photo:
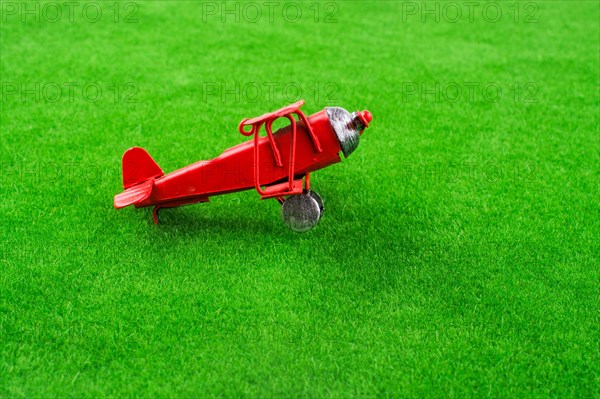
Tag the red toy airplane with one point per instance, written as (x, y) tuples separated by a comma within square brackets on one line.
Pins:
[(274, 165)]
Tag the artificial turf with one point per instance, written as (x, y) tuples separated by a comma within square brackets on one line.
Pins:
[(458, 254)]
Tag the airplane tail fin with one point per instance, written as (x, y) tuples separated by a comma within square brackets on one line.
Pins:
[(138, 166), (139, 173)]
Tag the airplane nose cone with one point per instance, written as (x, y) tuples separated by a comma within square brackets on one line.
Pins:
[(348, 126), (365, 117)]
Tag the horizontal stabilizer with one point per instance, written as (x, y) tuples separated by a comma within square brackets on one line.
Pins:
[(134, 195)]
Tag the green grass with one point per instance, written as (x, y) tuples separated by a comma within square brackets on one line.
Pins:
[(458, 256)]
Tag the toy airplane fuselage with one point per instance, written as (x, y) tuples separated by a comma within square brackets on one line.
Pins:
[(277, 161)]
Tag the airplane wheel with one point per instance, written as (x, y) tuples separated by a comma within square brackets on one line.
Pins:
[(317, 198), (301, 212)]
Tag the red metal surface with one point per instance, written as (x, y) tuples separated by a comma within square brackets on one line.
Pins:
[(138, 167), (365, 117), (274, 164)]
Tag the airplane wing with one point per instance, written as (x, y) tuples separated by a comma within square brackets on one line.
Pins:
[(292, 108)]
